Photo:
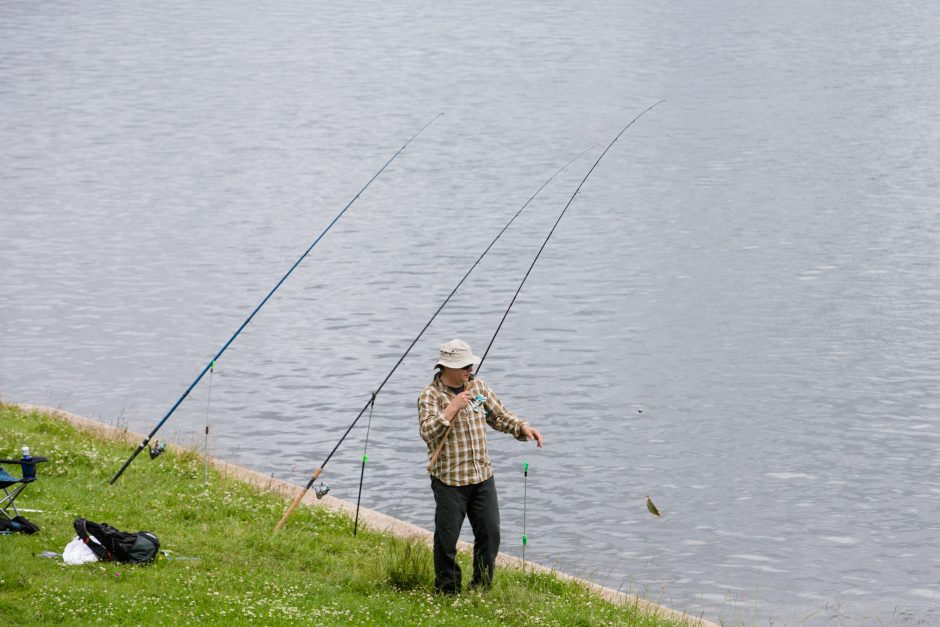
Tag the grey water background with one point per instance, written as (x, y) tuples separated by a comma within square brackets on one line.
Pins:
[(737, 316)]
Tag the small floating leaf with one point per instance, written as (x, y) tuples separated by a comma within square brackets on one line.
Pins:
[(651, 507)]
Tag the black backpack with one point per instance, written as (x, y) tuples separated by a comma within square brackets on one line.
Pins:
[(117, 546), (17, 523)]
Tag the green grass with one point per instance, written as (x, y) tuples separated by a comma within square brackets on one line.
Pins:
[(313, 572)]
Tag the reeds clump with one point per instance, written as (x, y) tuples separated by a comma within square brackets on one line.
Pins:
[(408, 565)]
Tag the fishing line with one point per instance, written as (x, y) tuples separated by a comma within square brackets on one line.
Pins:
[(261, 304), (365, 458), (208, 402), (440, 445), (525, 481), (316, 473)]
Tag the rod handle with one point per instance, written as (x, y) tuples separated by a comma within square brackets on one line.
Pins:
[(440, 446), (297, 500)]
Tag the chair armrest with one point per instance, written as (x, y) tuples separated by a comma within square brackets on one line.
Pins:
[(35, 460)]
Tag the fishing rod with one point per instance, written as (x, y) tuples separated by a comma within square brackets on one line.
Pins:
[(211, 363), (365, 457), (443, 439), (371, 402)]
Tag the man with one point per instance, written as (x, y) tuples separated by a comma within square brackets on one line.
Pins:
[(462, 475)]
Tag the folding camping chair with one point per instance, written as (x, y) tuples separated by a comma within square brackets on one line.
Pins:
[(13, 486)]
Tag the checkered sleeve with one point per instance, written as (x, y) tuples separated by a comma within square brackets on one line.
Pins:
[(431, 420), (500, 418)]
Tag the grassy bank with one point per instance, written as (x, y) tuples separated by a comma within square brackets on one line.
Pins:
[(312, 572)]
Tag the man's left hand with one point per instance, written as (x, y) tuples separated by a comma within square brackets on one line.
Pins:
[(531, 433)]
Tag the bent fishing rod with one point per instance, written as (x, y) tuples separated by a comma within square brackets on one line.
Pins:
[(440, 444), (365, 457), (211, 363), (371, 401)]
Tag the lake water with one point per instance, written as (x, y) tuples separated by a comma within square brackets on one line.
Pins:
[(737, 316)]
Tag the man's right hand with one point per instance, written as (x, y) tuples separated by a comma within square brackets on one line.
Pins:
[(456, 404)]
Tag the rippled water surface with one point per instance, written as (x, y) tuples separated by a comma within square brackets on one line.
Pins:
[(737, 316)]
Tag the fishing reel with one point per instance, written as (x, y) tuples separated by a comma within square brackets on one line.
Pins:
[(157, 448), (321, 490)]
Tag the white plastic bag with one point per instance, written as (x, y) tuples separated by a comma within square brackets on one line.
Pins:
[(77, 552)]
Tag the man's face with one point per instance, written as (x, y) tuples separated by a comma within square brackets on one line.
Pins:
[(460, 374)]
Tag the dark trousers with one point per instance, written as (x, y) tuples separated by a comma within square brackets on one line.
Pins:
[(478, 503)]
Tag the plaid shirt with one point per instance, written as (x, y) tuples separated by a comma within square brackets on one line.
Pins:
[(464, 459)]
